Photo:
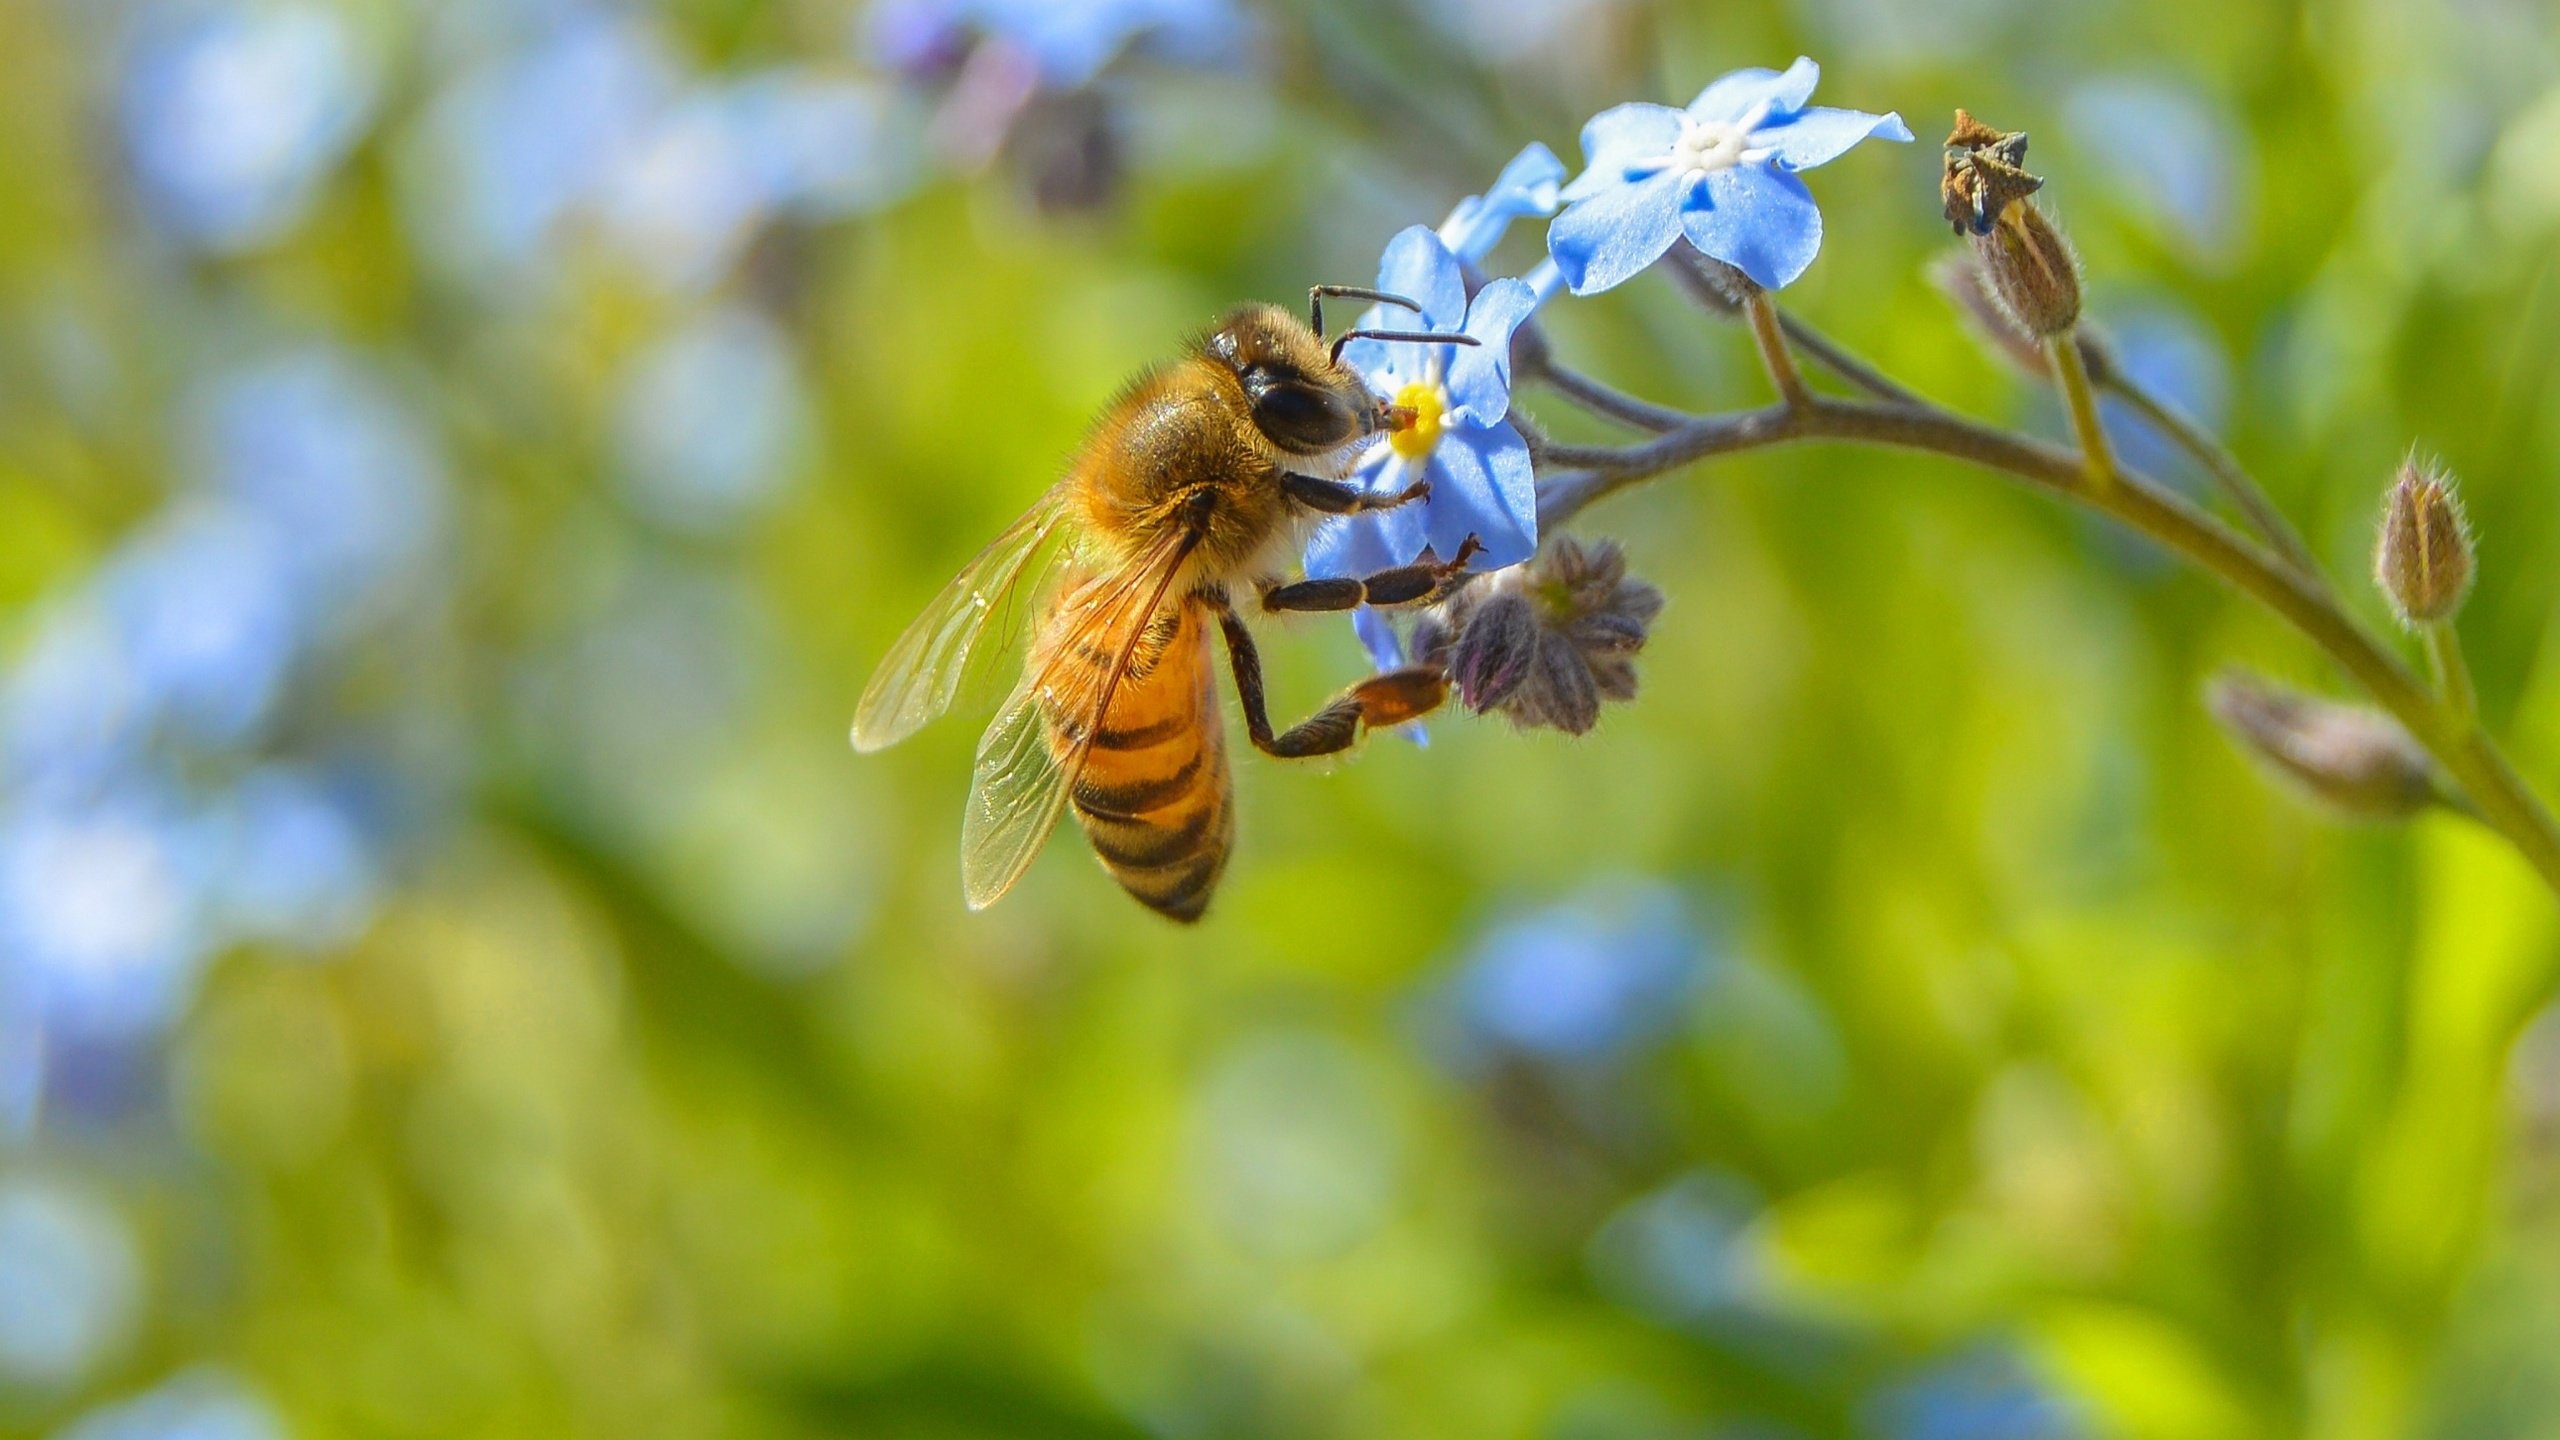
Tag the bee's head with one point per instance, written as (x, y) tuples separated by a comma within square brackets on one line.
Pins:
[(1302, 399)]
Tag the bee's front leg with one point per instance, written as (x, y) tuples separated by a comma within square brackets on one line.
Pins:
[(1403, 585), (1389, 699), (1334, 497)]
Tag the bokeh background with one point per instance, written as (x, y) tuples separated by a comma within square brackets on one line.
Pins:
[(459, 460)]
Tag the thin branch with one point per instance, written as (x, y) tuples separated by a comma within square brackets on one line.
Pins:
[(1610, 403), (1831, 356), (2468, 755)]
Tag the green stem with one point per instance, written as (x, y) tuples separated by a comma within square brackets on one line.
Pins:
[(1771, 337), (2453, 673), (2098, 457)]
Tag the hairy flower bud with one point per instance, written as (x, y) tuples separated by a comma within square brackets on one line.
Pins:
[(1986, 188), (1960, 278), (2422, 559), (1067, 152), (1546, 642), (2356, 760)]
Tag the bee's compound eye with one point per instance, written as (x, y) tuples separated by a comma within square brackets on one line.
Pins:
[(1298, 416)]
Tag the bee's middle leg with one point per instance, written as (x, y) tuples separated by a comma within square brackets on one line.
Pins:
[(1403, 585), (1388, 699)]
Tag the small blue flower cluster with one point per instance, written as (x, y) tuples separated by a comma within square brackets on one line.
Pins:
[(1721, 174)]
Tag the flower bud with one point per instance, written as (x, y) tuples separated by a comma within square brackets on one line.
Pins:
[(1067, 152), (2357, 761), (1959, 277), (1985, 189), (2423, 560), (1494, 652), (1546, 642)]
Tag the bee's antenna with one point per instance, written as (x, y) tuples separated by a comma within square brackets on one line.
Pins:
[(1316, 296), (1418, 337)]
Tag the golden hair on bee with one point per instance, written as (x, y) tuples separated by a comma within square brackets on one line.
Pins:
[(1183, 489)]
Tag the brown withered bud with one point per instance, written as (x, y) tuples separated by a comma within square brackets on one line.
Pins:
[(1547, 642), (1986, 191), (1067, 152), (2423, 557), (1958, 275), (2356, 761)]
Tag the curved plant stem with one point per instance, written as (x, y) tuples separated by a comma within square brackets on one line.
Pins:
[(2468, 756), (1834, 358), (2453, 673), (2235, 481), (2072, 374), (1770, 336), (1610, 403)]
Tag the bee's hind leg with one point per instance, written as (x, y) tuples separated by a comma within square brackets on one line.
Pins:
[(1388, 699)]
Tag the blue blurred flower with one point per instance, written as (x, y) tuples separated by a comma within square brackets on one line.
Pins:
[(1482, 484), (825, 145), (197, 1404), (294, 865), (233, 115), (206, 620), (1683, 1252), (102, 911), (2179, 157), (1068, 41), (70, 708), (1528, 186), (317, 449), (1722, 172), (69, 1280), (2167, 350), (709, 420), (1983, 1394), (1583, 980), (517, 142)]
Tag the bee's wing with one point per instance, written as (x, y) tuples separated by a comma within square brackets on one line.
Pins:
[(1022, 779), (920, 674)]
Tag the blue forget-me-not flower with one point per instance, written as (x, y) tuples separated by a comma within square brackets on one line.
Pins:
[(1721, 172), (234, 115), (1067, 41), (1482, 483)]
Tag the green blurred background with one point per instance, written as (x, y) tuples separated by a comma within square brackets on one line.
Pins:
[(459, 460)]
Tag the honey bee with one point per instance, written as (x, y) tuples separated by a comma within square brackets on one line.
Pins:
[(1197, 480)]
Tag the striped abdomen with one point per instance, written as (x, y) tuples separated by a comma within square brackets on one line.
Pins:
[(1153, 797)]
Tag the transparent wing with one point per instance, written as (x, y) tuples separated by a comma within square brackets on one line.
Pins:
[(1023, 779), (920, 674)]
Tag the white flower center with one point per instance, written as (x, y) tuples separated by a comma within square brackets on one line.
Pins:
[(1706, 146)]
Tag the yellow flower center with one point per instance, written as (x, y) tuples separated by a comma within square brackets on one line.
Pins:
[(1430, 407)]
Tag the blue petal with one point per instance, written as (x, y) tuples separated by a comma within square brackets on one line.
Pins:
[(1387, 368), (1758, 219), (1421, 269), (1813, 137), (1731, 97), (1616, 231), (1378, 540), (1526, 186), (1618, 138), (1480, 377), (1379, 636), (1483, 484), (1529, 181)]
